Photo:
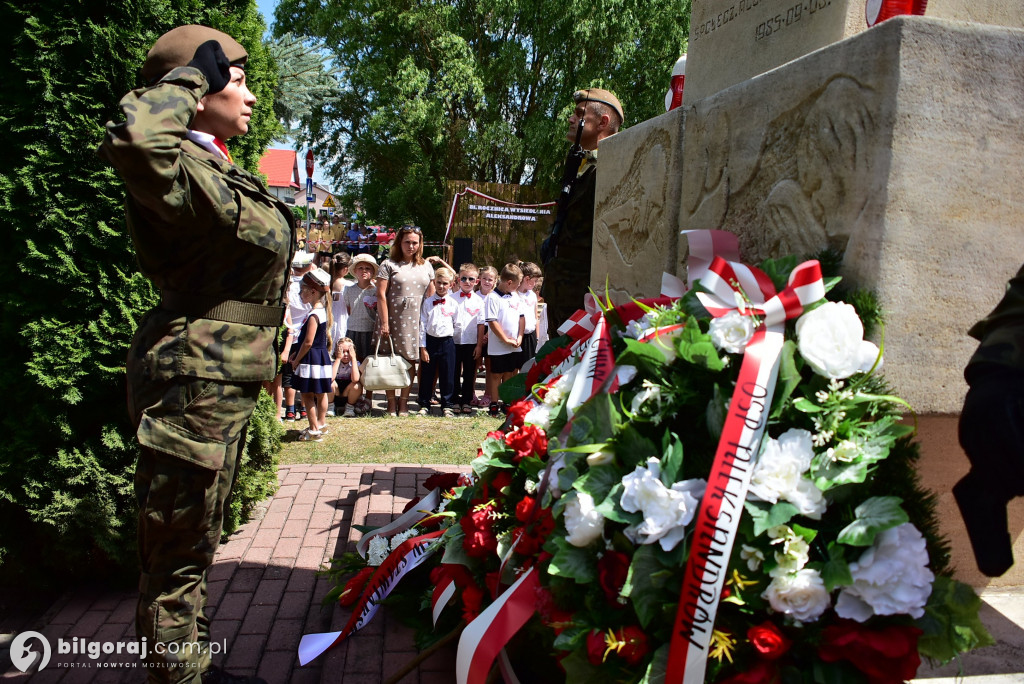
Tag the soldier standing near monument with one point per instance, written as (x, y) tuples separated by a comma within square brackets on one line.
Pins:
[(992, 431), (217, 244), (566, 252)]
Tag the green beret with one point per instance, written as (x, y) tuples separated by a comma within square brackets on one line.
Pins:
[(177, 47), (600, 95)]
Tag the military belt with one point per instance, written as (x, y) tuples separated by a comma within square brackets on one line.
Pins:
[(226, 310)]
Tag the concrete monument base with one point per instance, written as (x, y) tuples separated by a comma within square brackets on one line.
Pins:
[(901, 147)]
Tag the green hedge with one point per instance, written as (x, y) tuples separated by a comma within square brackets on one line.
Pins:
[(70, 294)]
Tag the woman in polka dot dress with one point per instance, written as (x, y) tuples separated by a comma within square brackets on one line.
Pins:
[(403, 280)]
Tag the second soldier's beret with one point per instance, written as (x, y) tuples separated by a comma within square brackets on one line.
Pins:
[(600, 95), (177, 47)]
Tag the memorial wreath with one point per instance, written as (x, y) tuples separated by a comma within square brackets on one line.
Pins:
[(715, 485)]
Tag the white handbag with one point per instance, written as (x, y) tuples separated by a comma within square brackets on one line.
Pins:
[(385, 372)]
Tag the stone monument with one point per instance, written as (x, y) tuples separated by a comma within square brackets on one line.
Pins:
[(899, 146)]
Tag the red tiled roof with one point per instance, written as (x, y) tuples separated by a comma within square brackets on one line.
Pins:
[(281, 168)]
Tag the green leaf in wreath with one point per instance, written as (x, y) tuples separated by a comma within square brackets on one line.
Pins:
[(532, 466), (644, 355), (877, 514), (566, 477), (632, 448), (573, 562), (671, 459), (805, 405), (696, 347), (644, 583), (570, 638), (657, 668), (789, 377), (836, 571), (453, 550), (611, 509), (597, 482), (766, 515), (512, 390), (950, 622), (595, 422), (833, 474)]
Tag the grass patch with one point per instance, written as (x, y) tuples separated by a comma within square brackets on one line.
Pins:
[(417, 440)]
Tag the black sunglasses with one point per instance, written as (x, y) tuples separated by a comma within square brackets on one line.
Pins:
[(467, 279)]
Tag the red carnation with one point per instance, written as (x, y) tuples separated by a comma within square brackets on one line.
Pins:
[(524, 509), (611, 575), (528, 440), (768, 640), (534, 536), (355, 586), (550, 614), (472, 600), (496, 434), (442, 481), (517, 412), (763, 672), (596, 647), (478, 526), (887, 656)]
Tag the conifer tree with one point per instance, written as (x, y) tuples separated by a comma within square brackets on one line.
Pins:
[(70, 294)]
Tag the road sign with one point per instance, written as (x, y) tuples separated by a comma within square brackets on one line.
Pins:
[(309, 163), (310, 197), (329, 202)]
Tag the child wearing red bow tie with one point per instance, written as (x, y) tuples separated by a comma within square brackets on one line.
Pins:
[(437, 344), (468, 350)]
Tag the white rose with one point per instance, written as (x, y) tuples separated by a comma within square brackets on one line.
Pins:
[(582, 521), (779, 473), (731, 332), (801, 596), (890, 578), (831, 340), (666, 510), (599, 458)]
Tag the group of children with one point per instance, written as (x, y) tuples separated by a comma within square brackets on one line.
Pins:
[(463, 328), (482, 319)]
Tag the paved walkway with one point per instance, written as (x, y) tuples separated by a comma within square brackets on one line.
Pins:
[(265, 593)]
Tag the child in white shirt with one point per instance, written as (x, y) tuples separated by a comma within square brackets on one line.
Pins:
[(503, 312), (467, 347), (531, 272), (437, 344)]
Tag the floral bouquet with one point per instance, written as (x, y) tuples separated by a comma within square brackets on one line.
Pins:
[(712, 487)]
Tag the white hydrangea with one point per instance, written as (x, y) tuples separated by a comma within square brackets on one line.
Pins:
[(583, 523), (890, 578), (731, 332), (831, 339), (666, 510), (779, 473), (800, 595), (377, 551)]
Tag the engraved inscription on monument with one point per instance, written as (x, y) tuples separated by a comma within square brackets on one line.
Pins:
[(730, 43)]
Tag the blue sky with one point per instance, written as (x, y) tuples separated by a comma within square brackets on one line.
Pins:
[(266, 8)]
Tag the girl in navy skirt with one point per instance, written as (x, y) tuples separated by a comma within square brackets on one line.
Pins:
[(311, 357)]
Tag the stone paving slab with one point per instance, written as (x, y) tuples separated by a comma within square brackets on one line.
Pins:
[(265, 593)]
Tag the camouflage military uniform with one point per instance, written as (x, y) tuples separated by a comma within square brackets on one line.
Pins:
[(567, 275), (992, 430), (217, 244)]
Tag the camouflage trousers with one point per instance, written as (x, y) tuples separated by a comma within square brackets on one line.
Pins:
[(192, 432)]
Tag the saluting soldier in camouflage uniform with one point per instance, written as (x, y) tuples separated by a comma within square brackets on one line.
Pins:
[(217, 244), (992, 431), (567, 275)]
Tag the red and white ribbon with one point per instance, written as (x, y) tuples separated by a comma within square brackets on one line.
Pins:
[(734, 287), (410, 554), (442, 594), (486, 636), (403, 522)]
